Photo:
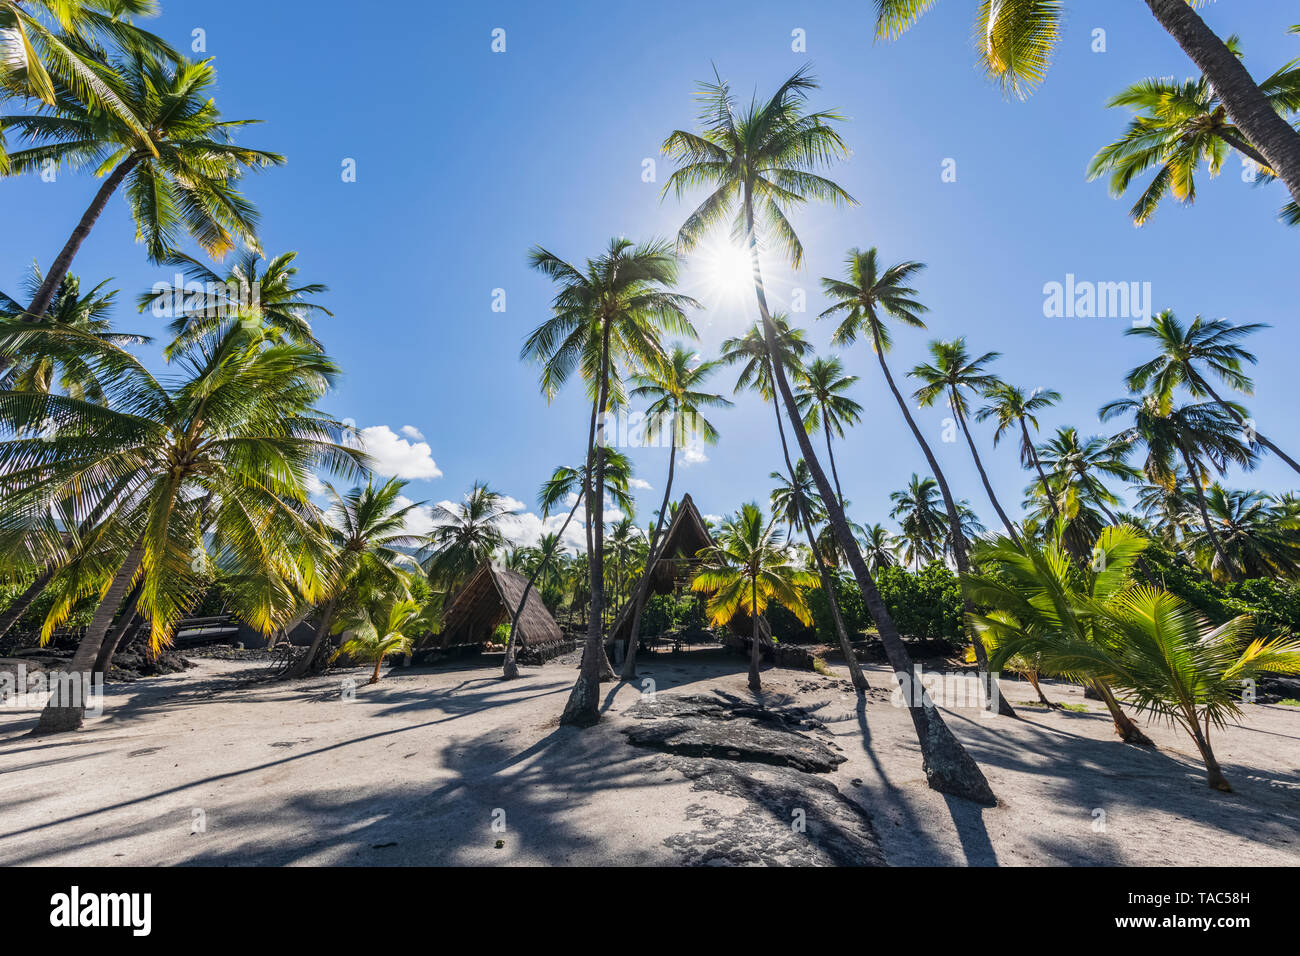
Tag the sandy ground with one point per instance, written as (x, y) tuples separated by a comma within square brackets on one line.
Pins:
[(439, 766)]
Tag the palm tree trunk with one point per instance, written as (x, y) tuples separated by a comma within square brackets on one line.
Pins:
[(1240, 420), (1214, 774), (652, 558), (583, 706), (1032, 677), (830, 455), (25, 600), (61, 716), (948, 767), (755, 684), (307, 661), (1249, 108), (105, 658), (1128, 731), (988, 488), (1193, 475), (954, 532), (856, 675), (53, 278), (510, 669), (1038, 466), (374, 678)]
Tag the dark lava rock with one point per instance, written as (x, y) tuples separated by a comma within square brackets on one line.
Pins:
[(699, 726), (791, 820)]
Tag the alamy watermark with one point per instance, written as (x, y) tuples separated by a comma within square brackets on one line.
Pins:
[(1084, 299)]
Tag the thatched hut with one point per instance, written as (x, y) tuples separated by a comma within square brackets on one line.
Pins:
[(486, 601), (686, 536)]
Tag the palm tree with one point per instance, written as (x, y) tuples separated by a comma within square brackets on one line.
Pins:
[(924, 524), (1040, 596), (821, 400), (1252, 531), (41, 40), (233, 441), (563, 482), (1200, 436), (677, 400), (88, 313), (952, 374), (1176, 126), (253, 287), (1017, 41), (180, 176), (379, 632), (760, 163), (866, 297), (880, 548), (747, 569), (1010, 406), (1079, 464), (465, 535), (371, 546), (613, 313), (1187, 355), (795, 501)]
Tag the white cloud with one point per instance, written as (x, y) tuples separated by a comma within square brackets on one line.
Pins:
[(396, 456), (419, 520), (640, 484), (693, 455), (410, 431), (712, 519)]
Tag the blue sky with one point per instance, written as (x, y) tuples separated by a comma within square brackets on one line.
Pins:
[(465, 158)]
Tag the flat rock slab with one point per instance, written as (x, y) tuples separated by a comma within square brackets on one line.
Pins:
[(791, 819), (697, 726)]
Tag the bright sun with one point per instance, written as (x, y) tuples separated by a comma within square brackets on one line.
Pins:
[(725, 270)]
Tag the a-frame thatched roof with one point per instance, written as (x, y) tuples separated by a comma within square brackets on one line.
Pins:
[(686, 536), (487, 600)]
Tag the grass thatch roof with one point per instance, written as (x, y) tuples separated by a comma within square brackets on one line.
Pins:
[(487, 600)]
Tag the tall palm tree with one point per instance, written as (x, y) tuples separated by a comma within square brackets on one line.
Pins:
[(42, 41), (795, 501), (465, 534), (867, 297), (880, 548), (1252, 531), (235, 437), (1201, 436), (759, 163), (952, 374), (254, 287), (821, 400), (747, 569), (1010, 406), (923, 522), (1017, 40), (611, 314), (1080, 464), (87, 312), (179, 176), (1176, 127), (1189, 355), (677, 402), (367, 531)]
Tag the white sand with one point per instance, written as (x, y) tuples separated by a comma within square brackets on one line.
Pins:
[(416, 769)]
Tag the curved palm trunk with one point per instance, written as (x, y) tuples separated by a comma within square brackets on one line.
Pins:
[(954, 533), (948, 767), (1193, 475), (1128, 731), (1110, 515), (1241, 420), (830, 456), (374, 677), (652, 558), (988, 487), (583, 706), (307, 661), (856, 675), (45, 294), (1038, 466), (1214, 774), (510, 669), (126, 624), (1249, 108), (755, 684), (67, 715), (25, 600)]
